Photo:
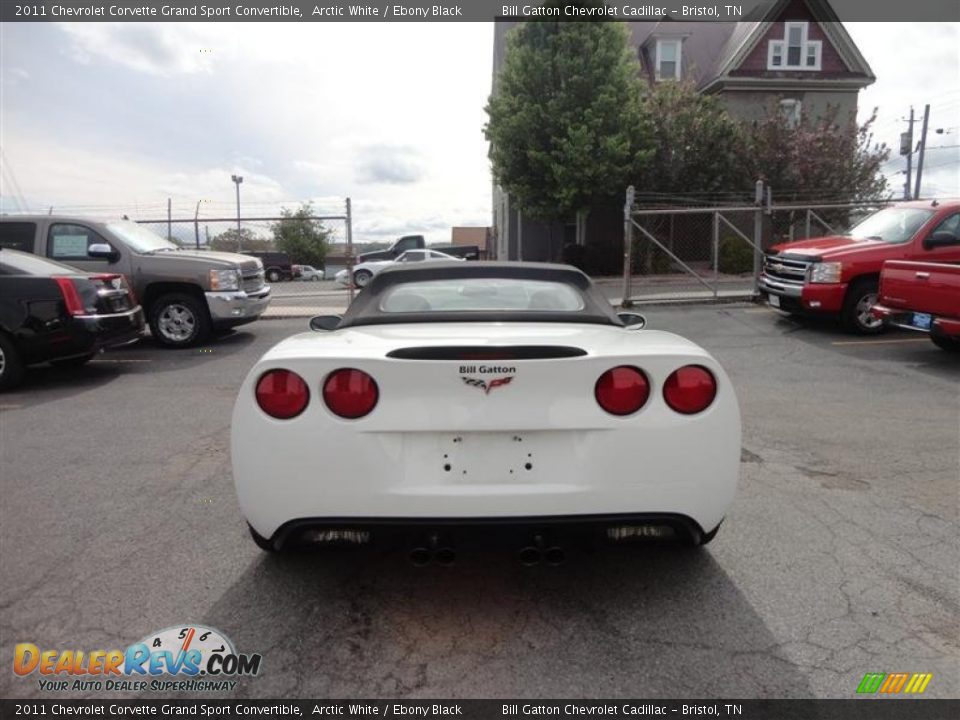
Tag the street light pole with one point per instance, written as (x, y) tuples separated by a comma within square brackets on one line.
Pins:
[(237, 179)]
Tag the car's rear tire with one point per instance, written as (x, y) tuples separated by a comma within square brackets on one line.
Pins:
[(855, 315), (11, 366), (73, 362), (362, 277), (945, 342), (274, 275), (263, 543), (179, 320)]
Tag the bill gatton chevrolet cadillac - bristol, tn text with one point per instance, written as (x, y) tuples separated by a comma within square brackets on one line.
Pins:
[(484, 400)]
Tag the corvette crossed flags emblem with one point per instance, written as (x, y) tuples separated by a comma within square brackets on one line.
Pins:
[(484, 385)]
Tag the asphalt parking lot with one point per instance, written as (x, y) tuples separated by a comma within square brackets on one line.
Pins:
[(839, 557)]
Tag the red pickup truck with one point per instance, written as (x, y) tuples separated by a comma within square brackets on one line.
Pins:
[(840, 275), (922, 296)]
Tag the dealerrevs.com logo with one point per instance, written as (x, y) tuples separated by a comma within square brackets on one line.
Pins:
[(190, 658)]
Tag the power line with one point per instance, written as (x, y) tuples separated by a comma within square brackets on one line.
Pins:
[(943, 164)]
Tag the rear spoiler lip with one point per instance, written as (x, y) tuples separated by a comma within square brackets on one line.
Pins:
[(486, 352)]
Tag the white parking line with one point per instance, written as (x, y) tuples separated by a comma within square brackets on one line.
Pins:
[(881, 342)]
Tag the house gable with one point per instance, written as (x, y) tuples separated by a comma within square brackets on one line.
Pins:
[(829, 62), (763, 53)]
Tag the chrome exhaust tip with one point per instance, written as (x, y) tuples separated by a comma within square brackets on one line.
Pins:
[(445, 556), (420, 556), (529, 556), (555, 555)]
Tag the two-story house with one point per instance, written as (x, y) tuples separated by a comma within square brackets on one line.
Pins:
[(796, 57)]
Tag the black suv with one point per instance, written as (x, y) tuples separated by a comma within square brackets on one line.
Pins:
[(52, 313), (276, 265)]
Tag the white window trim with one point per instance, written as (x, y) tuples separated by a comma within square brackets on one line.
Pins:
[(679, 62), (783, 44), (771, 51)]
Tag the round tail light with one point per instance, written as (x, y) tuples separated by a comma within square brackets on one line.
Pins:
[(282, 394), (350, 393), (622, 390), (690, 389)]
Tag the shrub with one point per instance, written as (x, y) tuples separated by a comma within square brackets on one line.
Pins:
[(735, 256)]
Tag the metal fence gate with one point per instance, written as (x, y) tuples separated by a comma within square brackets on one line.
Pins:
[(715, 252)]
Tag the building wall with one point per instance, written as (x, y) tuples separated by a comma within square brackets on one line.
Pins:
[(752, 105)]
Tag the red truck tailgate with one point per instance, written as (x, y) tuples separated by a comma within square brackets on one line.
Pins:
[(922, 287)]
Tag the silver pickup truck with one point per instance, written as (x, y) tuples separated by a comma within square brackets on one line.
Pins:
[(185, 293)]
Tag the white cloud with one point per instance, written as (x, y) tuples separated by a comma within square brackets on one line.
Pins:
[(151, 48), (392, 164)]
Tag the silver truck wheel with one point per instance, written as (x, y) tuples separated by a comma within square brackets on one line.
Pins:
[(177, 323), (362, 277), (856, 316), (179, 320)]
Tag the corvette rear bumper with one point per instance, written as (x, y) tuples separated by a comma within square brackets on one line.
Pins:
[(466, 478), (616, 528)]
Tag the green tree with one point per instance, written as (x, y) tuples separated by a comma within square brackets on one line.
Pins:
[(303, 239), (227, 241), (820, 160), (566, 124), (698, 147)]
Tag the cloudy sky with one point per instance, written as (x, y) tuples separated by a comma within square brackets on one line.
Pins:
[(105, 119)]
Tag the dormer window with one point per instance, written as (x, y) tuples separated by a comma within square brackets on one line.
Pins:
[(795, 51), (668, 59)]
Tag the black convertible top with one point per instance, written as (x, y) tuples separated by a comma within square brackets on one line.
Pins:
[(365, 309)]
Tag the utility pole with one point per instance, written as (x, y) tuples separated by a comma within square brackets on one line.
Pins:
[(906, 148), (196, 225), (923, 147), (237, 179), (169, 220), (349, 208)]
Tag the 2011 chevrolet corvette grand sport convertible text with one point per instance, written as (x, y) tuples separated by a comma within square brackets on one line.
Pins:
[(479, 401)]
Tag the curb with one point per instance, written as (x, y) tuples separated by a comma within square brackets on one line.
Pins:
[(285, 312)]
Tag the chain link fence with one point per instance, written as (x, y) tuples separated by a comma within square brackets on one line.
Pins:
[(297, 288), (715, 252)]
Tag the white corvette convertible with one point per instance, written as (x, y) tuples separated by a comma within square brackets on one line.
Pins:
[(477, 401)]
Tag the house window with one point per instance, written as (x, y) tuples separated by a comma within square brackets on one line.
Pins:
[(776, 54), (668, 59), (794, 51), (791, 111)]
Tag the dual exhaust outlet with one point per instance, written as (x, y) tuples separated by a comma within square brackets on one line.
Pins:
[(433, 548), (442, 551)]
